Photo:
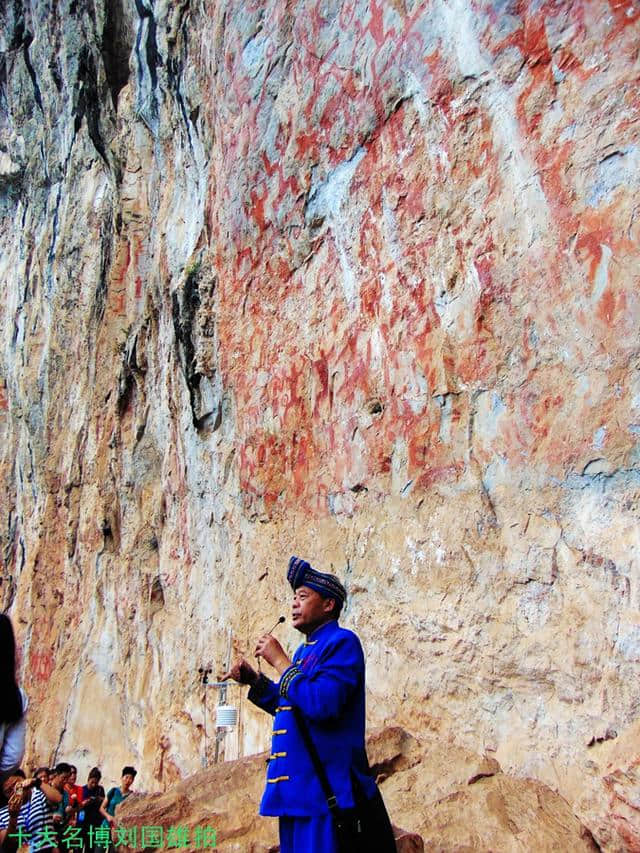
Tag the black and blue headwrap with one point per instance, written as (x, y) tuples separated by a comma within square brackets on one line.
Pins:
[(300, 573)]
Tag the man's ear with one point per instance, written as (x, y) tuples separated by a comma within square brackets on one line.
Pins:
[(329, 605)]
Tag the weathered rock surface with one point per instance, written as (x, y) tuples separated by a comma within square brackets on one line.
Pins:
[(460, 802), (616, 815), (356, 280)]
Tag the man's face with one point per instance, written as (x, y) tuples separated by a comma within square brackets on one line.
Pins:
[(92, 783), (9, 784), (43, 776), (72, 777), (59, 780), (310, 609), (127, 781)]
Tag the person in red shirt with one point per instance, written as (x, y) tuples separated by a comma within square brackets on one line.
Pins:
[(75, 796)]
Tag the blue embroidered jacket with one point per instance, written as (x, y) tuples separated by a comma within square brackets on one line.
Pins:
[(326, 682)]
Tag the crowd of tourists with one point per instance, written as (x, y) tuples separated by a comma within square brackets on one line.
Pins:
[(47, 809)]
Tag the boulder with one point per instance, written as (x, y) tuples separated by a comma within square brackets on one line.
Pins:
[(446, 798)]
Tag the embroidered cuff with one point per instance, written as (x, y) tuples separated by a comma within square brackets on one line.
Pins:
[(287, 678), (257, 690)]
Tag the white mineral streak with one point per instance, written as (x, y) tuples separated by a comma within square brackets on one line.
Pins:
[(327, 200), (460, 38)]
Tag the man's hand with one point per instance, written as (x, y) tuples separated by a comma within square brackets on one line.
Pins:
[(16, 801), (8, 841), (242, 672), (271, 650)]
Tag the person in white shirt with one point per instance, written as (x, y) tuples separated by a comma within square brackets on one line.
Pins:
[(13, 722)]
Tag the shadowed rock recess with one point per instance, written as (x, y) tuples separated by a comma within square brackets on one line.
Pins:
[(355, 280)]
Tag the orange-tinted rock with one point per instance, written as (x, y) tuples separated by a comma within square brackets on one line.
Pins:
[(615, 817), (424, 791)]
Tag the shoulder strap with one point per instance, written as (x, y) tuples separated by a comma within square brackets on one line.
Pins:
[(318, 766)]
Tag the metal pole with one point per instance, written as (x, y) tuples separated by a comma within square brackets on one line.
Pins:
[(222, 698), (204, 719)]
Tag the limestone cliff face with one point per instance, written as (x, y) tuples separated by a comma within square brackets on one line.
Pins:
[(354, 280)]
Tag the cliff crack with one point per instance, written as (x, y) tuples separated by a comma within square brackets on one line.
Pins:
[(174, 70), (28, 38), (206, 407), (116, 48), (100, 296), (4, 106), (88, 102), (54, 238)]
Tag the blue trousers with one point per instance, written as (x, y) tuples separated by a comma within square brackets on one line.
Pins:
[(307, 835)]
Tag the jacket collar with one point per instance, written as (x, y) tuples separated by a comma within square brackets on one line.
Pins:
[(328, 628)]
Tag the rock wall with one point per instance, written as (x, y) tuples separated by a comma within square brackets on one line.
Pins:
[(354, 280)]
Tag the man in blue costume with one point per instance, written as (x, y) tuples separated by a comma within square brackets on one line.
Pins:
[(325, 685)]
